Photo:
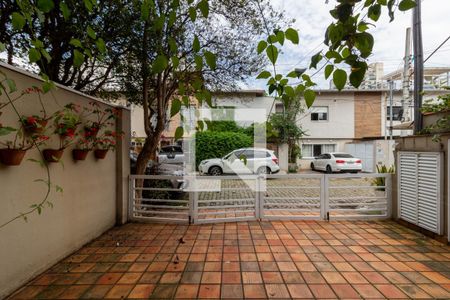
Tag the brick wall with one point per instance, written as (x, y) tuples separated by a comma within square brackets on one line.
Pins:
[(367, 114)]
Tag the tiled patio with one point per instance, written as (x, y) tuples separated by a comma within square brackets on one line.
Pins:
[(292, 259)]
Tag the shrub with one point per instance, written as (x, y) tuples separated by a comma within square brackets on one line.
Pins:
[(214, 144)]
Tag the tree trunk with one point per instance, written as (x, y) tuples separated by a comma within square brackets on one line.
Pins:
[(147, 153)]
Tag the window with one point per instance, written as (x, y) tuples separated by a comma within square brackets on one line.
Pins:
[(313, 150), (319, 113), (343, 155), (397, 113), (279, 108)]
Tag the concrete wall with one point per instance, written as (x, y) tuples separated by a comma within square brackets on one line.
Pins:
[(86, 208)]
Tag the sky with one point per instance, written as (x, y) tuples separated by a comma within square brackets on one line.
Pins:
[(312, 18)]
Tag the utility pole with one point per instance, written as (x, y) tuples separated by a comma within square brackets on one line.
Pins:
[(391, 104), (406, 78), (418, 66)]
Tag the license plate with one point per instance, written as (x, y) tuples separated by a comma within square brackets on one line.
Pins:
[(349, 162)]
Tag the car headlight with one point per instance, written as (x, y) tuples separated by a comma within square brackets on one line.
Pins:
[(203, 162)]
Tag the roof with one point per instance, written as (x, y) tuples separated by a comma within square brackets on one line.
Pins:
[(435, 71)]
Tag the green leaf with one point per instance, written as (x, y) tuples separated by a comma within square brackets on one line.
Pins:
[(210, 59), (272, 53), (339, 79), (46, 55), (101, 45), (364, 42), (47, 86), (18, 21), (196, 44), (160, 64), (280, 37), (264, 75), (179, 133), (2, 47), (374, 12), (357, 74), (78, 58), (11, 84), (6, 130), (328, 70), (45, 5), (363, 26), (172, 45), (315, 60), (292, 35), (293, 74), (309, 96), (145, 10), (192, 13), (88, 4), (198, 62), (262, 45), (76, 43), (175, 61), (204, 8), (34, 55), (175, 107), (65, 10), (91, 32), (406, 5)]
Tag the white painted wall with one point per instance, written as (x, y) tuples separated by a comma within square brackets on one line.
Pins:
[(341, 117), (85, 210)]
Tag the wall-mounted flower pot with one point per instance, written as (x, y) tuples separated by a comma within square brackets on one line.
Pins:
[(100, 153), (52, 155), (79, 154), (33, 129), (11, 157)]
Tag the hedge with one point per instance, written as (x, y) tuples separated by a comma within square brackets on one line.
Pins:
[(214, 144)]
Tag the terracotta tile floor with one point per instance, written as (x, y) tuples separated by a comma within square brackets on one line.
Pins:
[(292, 259)]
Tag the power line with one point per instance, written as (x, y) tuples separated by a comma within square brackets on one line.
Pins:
[(435, 50)]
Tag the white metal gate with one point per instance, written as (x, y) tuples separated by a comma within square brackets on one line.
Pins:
[(420, 189), (212, 199)]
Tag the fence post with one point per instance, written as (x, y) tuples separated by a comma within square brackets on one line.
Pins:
[(259, 199), (131, 194), (193, 201), (324, 192), (388, 189)]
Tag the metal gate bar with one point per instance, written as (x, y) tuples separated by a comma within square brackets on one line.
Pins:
[(212, 199)]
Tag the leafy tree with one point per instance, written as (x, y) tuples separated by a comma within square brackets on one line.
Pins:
[(74, 43), (287, 128), (184, 49)]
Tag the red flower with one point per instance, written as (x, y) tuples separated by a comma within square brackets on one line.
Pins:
[(31, 120)]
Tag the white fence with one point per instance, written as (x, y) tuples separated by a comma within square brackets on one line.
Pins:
[(212, 199)]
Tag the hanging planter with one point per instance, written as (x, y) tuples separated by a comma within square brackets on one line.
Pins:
[(80, 154), (100, 153), (52, 155), (33, 124), (11, 157)]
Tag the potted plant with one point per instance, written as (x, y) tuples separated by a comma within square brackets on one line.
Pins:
[(102, 118), (15, 149), (105, 143), (65, 123), (35, 124), (84, 144)]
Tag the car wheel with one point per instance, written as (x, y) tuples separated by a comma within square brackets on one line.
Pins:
[(263, 170), (329, 170), (215, 171), (312, 167)]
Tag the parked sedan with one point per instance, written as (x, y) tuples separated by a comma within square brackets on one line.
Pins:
[(172, 154), (336, 162), (242, 161)]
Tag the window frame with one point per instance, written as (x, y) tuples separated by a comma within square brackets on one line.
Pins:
[(318, 120)]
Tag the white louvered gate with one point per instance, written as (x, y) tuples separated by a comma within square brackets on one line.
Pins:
[(420, 189)]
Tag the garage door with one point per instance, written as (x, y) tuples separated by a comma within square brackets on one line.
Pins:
[(364, 151)]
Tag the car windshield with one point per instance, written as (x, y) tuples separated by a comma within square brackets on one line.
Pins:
[(342, 155)]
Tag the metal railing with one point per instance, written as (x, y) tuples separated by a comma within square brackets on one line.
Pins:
[(212, 199)]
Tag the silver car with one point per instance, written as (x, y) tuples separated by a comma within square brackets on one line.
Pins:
[(242, 161)]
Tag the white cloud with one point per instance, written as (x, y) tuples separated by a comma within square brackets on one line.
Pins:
[(312, 18)]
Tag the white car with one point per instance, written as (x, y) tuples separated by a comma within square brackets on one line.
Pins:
[(241, 161), (336, 162), (172, 154)]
